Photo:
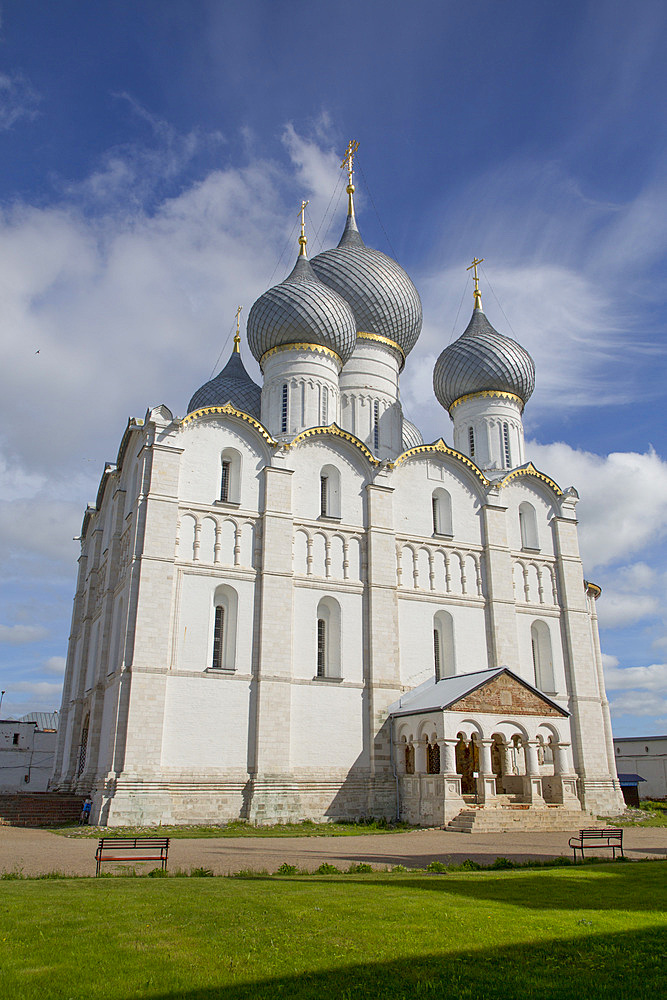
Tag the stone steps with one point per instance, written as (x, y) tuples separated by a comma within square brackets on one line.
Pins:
[(39, 809), (520, 818)]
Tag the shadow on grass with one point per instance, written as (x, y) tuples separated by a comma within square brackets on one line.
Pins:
[(598, 887), (622, 966)]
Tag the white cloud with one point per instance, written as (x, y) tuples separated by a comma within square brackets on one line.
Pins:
[(41, 691), (17, 100), (20, 634), (55, 665), (623, 506), (651, 678), (642, 703)]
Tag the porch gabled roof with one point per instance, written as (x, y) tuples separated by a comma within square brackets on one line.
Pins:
[(438, 696)]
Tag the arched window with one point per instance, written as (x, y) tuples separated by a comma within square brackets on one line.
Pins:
[(506, 446), (441, 504), (83, 747), (528, 526), (328, 638), (230, 476), (225, 605), (284, 410), (444, 663), (329, 491), (540, 638), (376, 425), (471, 441), (409, 759)]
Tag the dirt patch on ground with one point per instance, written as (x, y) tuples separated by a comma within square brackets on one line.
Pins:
[(36, 852)]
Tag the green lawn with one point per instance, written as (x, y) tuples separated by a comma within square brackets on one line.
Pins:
[(237, 828), (586, 933)]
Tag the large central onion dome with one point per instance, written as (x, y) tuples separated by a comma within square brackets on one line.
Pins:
[(383, 299), (301, 310), (483, 359)]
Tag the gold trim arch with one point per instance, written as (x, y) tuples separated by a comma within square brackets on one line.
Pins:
[(230, 411), (334, 431), (439, 447), (530, 470)]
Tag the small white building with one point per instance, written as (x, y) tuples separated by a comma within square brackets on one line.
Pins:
[(647, 757), (27, 752), (264, 583)]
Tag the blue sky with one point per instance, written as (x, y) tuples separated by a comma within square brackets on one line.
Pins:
[(153, 158)]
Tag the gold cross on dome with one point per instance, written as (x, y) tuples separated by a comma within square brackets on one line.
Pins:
[(302, 238), (473, 268), (237, 335), (348, 159)]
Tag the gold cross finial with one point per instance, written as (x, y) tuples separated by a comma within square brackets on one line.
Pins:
[(237, 335), (348, 162), (473, 268), (302, 238)]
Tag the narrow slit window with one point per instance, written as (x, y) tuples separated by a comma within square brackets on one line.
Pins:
[(506, 445), (283, 414), (435, 504), (219, 638), (471, 441), (324, 496), (324, 408), (376, 425), (436, 654), (321, 647), (224, 480)]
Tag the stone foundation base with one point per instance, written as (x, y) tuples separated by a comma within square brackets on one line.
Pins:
[(602, 797), (264, 799)]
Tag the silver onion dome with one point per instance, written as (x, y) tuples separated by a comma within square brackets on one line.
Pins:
[(382, 297), (301, 310), (482, 359), (232, 385), (412, 436)]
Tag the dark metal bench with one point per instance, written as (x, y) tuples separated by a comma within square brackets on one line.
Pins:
[(608, 836), (132, 849)]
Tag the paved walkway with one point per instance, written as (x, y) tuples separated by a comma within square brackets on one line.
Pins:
[(35, 852)]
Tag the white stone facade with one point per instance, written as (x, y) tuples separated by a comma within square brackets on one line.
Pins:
[(169, 738), (255, 593)]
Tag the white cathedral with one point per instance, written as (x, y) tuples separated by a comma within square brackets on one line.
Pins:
[(288, 606)]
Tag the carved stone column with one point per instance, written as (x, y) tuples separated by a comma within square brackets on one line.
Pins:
[(486, 782), (532, 782), (451, 780), (565, 778)]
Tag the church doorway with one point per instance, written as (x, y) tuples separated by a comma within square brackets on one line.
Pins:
[(467, 762)]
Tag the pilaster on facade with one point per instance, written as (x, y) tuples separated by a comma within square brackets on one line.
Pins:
[(269, 749), (382, 671), (501, 611)]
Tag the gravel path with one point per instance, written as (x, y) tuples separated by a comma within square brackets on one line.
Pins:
[(35, 852)]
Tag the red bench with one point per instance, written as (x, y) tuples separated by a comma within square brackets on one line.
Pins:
[(132, 849), (608, 836)]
